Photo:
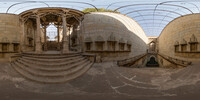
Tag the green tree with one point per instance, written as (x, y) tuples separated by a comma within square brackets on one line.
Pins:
[(87, 10)]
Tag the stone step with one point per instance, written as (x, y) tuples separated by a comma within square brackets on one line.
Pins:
[(50, 60), (51, 57), (50, 68), (56, 54), (52, 80), (51, 73), (53, 64)]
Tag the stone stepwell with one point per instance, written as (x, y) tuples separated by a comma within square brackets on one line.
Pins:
[(52, 68)]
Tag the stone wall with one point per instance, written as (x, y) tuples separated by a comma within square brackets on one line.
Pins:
[(106, 26), (9, 34), (183, 30)]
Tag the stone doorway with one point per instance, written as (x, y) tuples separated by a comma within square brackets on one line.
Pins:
[(152, 62), (52, 38)]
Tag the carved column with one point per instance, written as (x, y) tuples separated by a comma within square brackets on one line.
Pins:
[(45, 38), (38, 48), (23, 40), (0, 47), (11, 47), (58, 31), (125, 47), (105, 46), (69, 38), (65, 44), (93, 46), (117, 46)]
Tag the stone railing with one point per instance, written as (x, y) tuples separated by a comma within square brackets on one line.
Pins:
[(14, 57), (128, 61), (176, 61), (91, 57)]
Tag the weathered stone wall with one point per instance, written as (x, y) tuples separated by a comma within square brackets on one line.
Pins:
[(30, 31), (9, 33), (118, 26), (181, 28)]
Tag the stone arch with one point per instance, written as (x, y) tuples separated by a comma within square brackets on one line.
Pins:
[(5, 40), (112, 38), (99, 39), (152, 61), (152, 46), (129, 42), (176, 43), (122, 40), (183, 42), (193, 38), (88, 39), (153, 57)]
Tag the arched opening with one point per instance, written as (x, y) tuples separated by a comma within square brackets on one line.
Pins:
[(152, 47), (52, 37), (51, 29), (152, 62)]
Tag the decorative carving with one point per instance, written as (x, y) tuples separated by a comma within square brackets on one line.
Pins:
[(176, 43), (88, 39), (122, 40), (111, 38), (193, 39), (5, 40), (99, 39), (129, 42), (183, 42)]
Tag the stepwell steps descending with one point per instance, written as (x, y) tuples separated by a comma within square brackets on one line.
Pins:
[(50, 68)]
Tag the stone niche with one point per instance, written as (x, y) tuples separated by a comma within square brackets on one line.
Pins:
[(9, 35), (180, 38), (112, 36), (187, 49)]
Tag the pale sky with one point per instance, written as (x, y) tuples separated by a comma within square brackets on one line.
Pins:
[(142, 10)]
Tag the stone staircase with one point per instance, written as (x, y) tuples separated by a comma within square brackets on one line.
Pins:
[(52, 68)]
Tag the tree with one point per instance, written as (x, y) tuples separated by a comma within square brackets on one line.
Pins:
[(87, 10)]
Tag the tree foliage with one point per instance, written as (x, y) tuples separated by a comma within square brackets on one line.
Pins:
[(87, 10)]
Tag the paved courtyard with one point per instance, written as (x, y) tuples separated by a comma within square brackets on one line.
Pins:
[(108, 82)]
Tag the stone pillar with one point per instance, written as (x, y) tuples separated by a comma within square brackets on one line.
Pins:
[(125, 47), (116, 46), (69, 38), (105, 46), (93, 46), (0, 47), (45, 38), (11, 47), (23, 38), (58, 32), (65, 44), (38, 48)]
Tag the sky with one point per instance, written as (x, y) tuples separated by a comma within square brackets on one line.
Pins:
[(143, 11)]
